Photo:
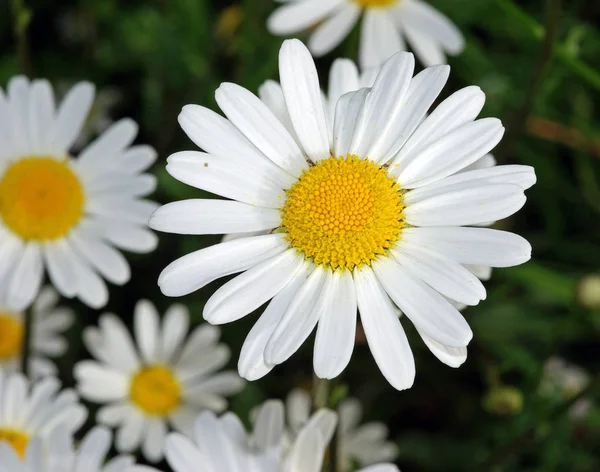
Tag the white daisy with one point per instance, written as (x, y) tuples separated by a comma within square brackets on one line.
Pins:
[(64, 214), (60, 454), (29, 411), (364, 444), (223, 445), (49, 324), (164, 380), (385, 25), (366, 216)]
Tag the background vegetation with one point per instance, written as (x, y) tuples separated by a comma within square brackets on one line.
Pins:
[(542, 81)]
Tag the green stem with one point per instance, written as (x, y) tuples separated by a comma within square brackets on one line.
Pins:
[(551, 29), (320, 393), (561, 52), (27, 335), (22, 19)]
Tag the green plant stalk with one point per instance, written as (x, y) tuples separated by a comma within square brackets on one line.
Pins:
[(27, 337), (560, 52), (22, 19)]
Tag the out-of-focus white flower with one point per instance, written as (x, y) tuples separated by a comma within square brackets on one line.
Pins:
[(60, 454), (35, 411), (162, 379), (49, 324), (366, 216), (364, 444), (223, 445), (384, 26), (63, 214)]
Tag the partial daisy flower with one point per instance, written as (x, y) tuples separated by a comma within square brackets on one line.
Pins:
[(162, 380), (223, 445), (37, 410), (362, 444), (64, 214), (366, 216), (385, 24), (49, 324), (60, 454), (563, 381)]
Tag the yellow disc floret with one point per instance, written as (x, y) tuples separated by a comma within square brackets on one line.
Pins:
[(376, 3), (343, 212), (11, 336), (16, 439), (41, 198), (155, 390)]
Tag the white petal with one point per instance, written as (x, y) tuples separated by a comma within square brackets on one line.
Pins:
[(261, 127), (112, 142), (26, 280), (271, 94), (146, 328), (427, 49), (137, 159), (332, 31), (343, 78), (59, 267), (385, 335), (346, 122), (428, 310), (222, 177), (441, 273), (458, 109), (300, 318), (18, 92), (269, 425), (251, 364), (193, 271), (126, 210), (383, 107), (308, 452), (127, 236), (379, 39), (248, 291), (156, 432), (213, 217), (98, 383), (72, 114), (334, 342), (476, 246), (131, 433), (451, 356), (300, 84), (174, 330), (298, 16), (470, 206), (41, 116)]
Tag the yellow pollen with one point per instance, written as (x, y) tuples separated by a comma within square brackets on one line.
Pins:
[(16, 439), (11, 336), (155, 390), (375, 3), (343, 212), (41, 198)]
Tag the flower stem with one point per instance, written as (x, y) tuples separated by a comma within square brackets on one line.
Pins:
[(26, 347), (320, 392), (22, 19)]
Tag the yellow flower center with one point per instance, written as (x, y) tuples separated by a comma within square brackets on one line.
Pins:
[(16, 439), (155, 390), (375, 3), (11, 336), (41, 198), (343, 212)]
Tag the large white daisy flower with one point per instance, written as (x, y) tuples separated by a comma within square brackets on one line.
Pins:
[(60, 454), (364, 216), (64, 214), (35, 411), (363, 444), (385, 24), (49, 324), (223, 445), (164, 380)]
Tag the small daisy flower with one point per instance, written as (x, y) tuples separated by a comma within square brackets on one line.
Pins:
[(60, 454), (364, 444), (384, 27), (49, 324), (63, 214), (30, 411), (223, 445), (163, 380), (366, 216), (564, 381)]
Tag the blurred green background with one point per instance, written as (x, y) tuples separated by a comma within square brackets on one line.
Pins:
[(155, 56)]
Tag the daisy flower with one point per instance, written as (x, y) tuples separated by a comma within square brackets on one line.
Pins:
[(223, 445), (366, 216), (384, 27), (364, 444), (63, 214), (36, 410), (60, 454), (163, 380), (49, 324)]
